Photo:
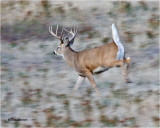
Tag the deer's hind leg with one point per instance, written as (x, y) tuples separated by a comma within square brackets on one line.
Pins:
[(127, 61), (124, 68), (125, 73)]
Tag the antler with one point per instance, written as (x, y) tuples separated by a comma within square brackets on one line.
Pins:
[(55, 35), (73, 33)]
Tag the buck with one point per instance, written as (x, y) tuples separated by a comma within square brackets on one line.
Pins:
[(93, 61)]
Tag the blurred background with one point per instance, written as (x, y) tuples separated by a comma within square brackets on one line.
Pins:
[(36, 85)]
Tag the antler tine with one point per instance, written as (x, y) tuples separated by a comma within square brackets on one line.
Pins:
[(62, 34), (73, 33), (55, 35), (49, 28), (56, 29), (74, 29), (67, 30)]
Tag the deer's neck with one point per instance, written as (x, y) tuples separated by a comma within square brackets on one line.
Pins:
[(69, 56)]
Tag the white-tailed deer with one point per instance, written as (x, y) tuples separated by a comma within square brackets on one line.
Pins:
[(92, 61)]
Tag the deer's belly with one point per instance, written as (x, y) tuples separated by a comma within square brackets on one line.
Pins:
[(99, 70)]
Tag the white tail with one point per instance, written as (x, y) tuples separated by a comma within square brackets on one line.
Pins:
[(120, 53)]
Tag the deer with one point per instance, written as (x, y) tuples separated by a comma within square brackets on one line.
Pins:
[(91, 61)]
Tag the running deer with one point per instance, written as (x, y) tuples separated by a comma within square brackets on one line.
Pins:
[(92, 61)]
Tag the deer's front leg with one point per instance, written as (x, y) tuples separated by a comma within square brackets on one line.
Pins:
[(78, 83), (90, 78)]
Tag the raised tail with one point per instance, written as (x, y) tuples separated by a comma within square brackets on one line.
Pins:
[(120, 53)]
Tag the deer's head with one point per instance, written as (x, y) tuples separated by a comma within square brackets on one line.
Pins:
[(64, 40)]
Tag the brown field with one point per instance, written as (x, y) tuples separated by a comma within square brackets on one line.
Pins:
[(36, 85)]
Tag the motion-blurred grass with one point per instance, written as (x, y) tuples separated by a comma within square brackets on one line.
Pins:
[(36, 85)]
